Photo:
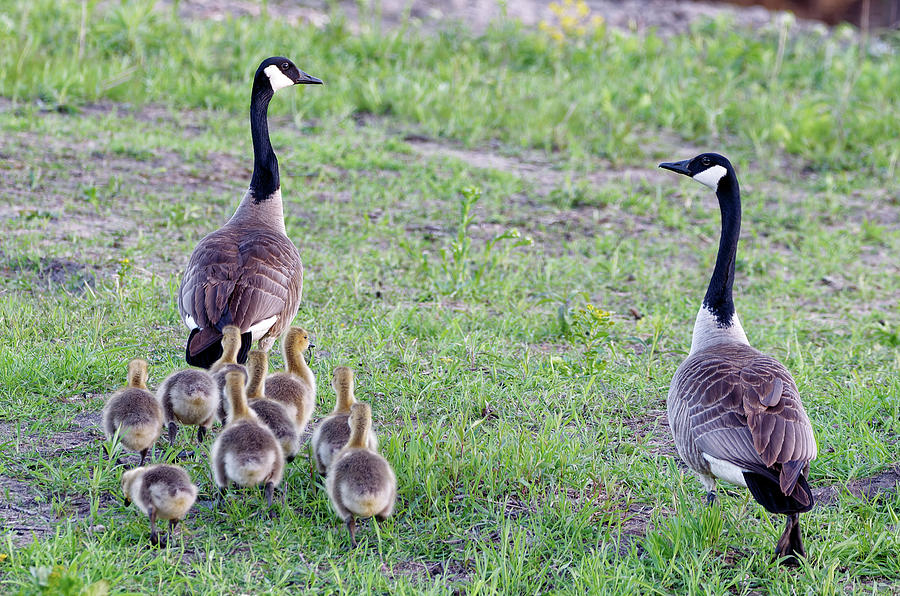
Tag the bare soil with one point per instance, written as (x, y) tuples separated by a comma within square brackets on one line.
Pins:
[(665, 16), (29, 513), (862, 488)]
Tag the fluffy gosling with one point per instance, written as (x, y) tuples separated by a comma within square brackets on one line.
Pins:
[(297, 386), (361, 482), (277, 416), (245, 452), (333, 431), (134, 412), (160, 491), (231, 346), (190, 397)]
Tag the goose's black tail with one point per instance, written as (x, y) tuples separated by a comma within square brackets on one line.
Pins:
[(765, 488), (204, 347)]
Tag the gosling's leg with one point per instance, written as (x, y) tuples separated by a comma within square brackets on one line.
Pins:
[(201, 433), (154, 535), (173, 430), (144, 455), (220, 496), (351, 526), (270, 493)]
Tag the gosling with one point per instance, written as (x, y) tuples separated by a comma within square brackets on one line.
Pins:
[(297, 386), (191, 397), (161, 491), (361, 482), (333, 432), (134, 412), (246, 452), (277, 416), (231, 346)]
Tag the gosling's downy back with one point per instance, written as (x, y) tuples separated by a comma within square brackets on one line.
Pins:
[(134, 412), (360, 482)]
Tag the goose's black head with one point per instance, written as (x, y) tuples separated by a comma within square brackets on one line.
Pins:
[(708, 169), (279, 72)]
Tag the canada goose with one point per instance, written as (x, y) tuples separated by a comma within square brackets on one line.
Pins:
[(361, 482), (245, 452), (161, 491), (227, 362), (277, 416), (189, 396), (297, 386), (333, 431), (134, 412), (248, 272), (735, 413)]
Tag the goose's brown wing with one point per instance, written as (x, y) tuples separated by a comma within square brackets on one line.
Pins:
[(744, 408), (240, 278)]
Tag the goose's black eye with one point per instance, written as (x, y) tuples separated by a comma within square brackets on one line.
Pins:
[(705, 161), (285, 66)]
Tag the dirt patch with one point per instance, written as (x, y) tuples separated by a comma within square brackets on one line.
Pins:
[(75, 191), (652, 431), (535, 168), (71, 274), (23, 515), (28, 514), (450, 570), (863, 488), (665, 16), (84, 430)]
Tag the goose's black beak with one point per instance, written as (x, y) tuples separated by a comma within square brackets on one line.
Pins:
[(307, 79), (680, 167)]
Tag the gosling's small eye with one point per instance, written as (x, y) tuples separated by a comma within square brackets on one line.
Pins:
[(285, 66)]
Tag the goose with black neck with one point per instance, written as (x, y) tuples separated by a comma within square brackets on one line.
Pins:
[(247, 273), (735, 413)]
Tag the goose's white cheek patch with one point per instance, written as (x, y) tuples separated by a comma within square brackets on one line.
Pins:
[(709, 177), (277, 79)]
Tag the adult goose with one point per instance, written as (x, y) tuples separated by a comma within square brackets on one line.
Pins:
[(248, 272), (735, 413)]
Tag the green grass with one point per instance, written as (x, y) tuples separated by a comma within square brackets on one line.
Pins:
[(824, 98), (525, 425)]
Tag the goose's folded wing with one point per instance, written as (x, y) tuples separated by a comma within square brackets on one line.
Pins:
[(270, 281), (747, 411), (240, 281)]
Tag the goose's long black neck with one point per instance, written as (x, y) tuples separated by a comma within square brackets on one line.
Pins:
[(718, 299), (265, 179)]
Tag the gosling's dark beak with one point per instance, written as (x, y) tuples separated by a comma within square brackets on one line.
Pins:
[(680, 167), (307, 79), (312, 346)]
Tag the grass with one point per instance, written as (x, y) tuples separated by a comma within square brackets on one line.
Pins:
[(822, 97), (487, 311)]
